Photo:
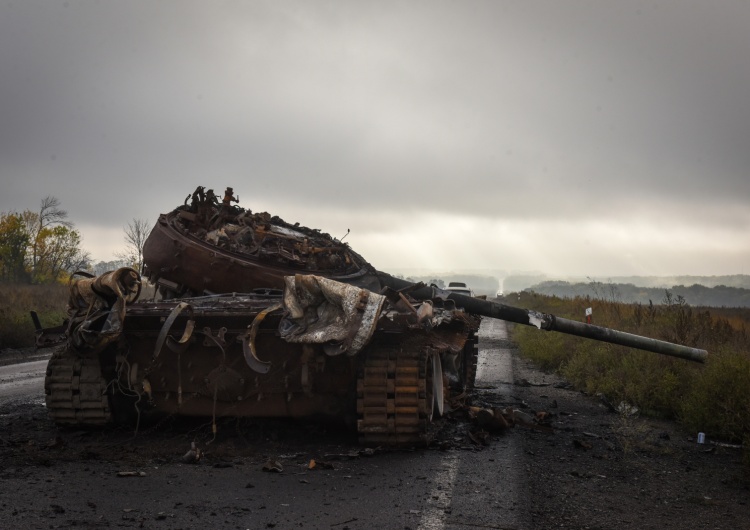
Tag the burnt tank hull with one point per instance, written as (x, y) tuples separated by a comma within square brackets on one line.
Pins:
[(211, 365), (384, 366)]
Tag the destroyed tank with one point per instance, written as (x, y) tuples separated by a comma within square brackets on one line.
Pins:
[(302, 327), (381, 362)]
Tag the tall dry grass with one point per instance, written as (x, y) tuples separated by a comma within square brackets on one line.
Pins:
[(16, 303), (710, 397)]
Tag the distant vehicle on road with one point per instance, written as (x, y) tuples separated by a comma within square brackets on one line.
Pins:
[(459, 288)]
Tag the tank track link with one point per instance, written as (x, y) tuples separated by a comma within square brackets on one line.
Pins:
[(76, 393), (394, 397)]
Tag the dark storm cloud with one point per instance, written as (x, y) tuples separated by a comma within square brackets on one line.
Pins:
[(603, 112)]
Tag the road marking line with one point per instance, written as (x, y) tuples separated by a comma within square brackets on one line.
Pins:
[(441, 494)]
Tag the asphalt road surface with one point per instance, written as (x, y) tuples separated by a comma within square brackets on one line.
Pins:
[(459, 488), (22, 381)]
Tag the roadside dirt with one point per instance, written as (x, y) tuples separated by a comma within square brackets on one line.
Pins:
[(604, 469), (594, 469)]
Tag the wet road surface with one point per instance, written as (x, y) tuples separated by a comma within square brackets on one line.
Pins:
[(22, 380)]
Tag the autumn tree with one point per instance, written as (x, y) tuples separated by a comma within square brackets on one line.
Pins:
[(136, 232), (99, 268), (40, 246), (58, 254), (14, 241)]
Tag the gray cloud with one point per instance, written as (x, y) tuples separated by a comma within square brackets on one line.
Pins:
[(611, 113)]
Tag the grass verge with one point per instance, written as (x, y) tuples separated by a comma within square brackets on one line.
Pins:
[(16, 303), (710, 398)]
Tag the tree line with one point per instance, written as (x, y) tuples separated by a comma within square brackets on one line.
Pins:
[(43, 246)]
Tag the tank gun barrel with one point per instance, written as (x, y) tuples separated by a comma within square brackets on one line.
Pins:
[(546, 321)]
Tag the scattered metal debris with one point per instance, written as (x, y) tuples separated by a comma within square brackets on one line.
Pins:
[(626, 409), (131, 473), (193, 456), (273, 466), (319, 464)]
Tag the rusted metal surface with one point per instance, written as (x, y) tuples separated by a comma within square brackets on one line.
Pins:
[(207, 247), (318, 350), (96, 307)]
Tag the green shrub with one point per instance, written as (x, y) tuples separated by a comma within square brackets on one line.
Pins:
[(712, 398), (718, 401), (640, 378), (546, 350)]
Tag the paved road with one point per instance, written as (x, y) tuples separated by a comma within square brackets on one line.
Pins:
[(422, 489), (22, 380)]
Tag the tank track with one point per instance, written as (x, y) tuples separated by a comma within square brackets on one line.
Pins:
[(76, 393), (394, 403)]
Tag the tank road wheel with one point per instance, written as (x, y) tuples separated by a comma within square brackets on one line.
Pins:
[(398, 394), (76, 393), (435, 385)]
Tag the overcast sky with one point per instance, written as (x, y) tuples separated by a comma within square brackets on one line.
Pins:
[(585, 138)]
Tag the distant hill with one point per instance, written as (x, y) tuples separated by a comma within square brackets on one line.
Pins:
[(733, 280), (714, 291), (694, 295), (516, 283), (519, 282)]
